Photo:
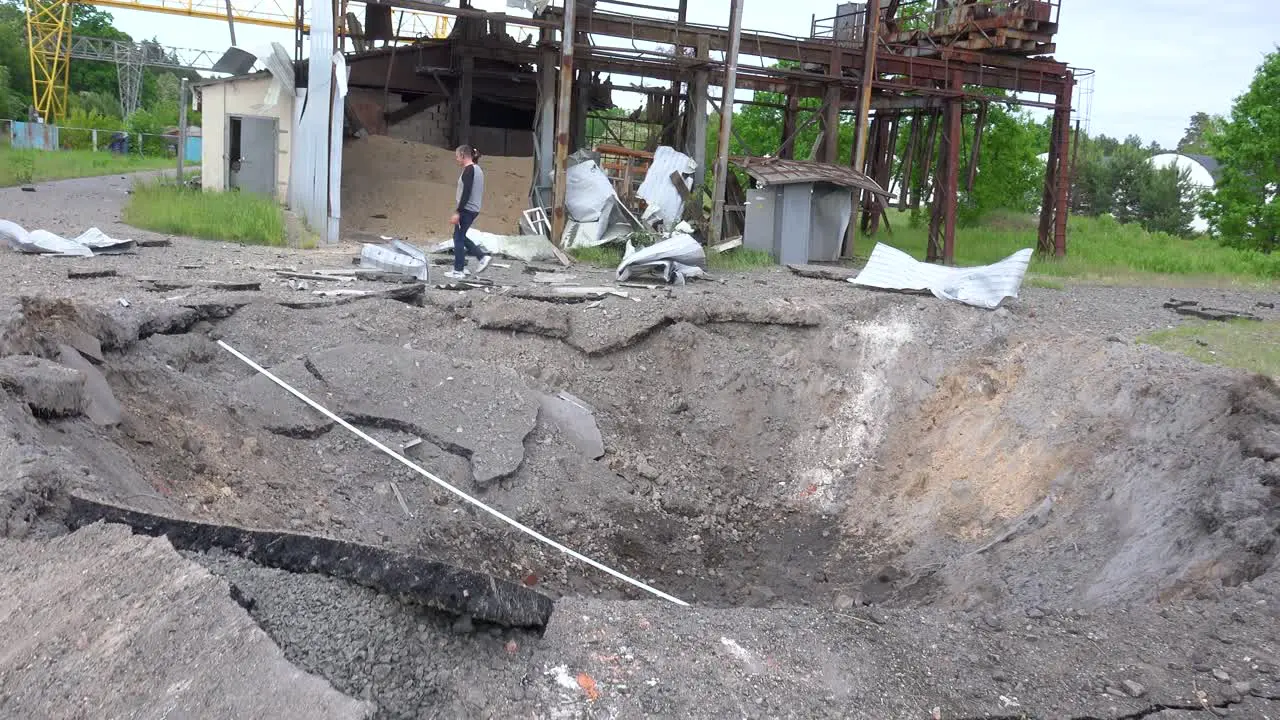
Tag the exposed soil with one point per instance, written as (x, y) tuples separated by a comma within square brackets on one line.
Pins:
[(407, 189), (880, 505)]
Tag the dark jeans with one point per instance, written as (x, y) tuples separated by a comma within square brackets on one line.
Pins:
[(462, 245)]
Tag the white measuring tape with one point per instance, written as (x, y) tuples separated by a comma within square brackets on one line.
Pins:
[(412, 466)]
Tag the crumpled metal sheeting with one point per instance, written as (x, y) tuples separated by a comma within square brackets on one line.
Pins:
[(677, 258), (985, 286), (398, 257), (88, 243), (663, 201)]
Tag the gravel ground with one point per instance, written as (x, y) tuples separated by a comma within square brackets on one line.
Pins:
[(880, 504)]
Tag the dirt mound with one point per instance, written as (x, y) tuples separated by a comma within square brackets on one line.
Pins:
[(407, 189)]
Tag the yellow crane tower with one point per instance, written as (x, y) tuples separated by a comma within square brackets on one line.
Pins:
[(49, 34)]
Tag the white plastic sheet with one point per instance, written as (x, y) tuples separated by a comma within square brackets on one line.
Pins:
[(677, 258), (985, 286), (662, 200), (90, 242)]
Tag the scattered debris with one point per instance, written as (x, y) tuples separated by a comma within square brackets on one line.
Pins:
[(411, 294), (100, 404), (88, 243), (434, 584), (527, 248), (398, 258), (154, 243), (233, 286), (727, 245), (312, 276), (1193, 308), (588, 685), (663, 200), (984, 286), (677, 259), (824, 272), (576, 421), (89, 274)]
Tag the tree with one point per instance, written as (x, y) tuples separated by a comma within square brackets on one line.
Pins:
[(1243, 209), (1202, 126)]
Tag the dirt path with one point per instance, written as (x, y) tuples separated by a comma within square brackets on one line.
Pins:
[(880, 505)]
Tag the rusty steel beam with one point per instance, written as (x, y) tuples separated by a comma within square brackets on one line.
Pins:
[(951, 193), (1064, 173), (978, 124), (904, 184), (831, 112), (563, 124), (1049, 196), (726, 123), (787, 150), (987, 70)]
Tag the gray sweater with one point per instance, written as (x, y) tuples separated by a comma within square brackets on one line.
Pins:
[(470, 189)]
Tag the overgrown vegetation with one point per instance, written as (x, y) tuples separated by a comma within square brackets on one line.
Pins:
[(21, 167), (1243, 344), (238, 217)]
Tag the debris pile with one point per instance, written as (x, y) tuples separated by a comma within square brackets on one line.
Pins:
[(87, 244)]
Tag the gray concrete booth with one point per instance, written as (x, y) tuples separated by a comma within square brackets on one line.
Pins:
[(799, 211)]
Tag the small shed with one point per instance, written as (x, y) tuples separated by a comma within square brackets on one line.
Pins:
[(800, 211), (245, 134)]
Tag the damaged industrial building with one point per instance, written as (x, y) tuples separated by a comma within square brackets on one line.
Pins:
[(510, 85)]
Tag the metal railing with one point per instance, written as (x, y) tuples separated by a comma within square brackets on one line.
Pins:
[(20, 135)]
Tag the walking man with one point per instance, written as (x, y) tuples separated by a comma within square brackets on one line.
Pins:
[(470, 195)]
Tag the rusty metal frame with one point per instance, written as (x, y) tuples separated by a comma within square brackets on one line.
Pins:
[(886, 71)]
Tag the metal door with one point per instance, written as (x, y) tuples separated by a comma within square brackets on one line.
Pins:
[(255, 168)]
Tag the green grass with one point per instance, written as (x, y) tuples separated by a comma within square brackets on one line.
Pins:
[(20, 167), (234, 216), (1098, 250), (736, 259), (1243, 344)]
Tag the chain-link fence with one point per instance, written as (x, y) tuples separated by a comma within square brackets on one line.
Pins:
[(41, 136)]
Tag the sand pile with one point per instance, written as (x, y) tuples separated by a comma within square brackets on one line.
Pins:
[(407, 189)]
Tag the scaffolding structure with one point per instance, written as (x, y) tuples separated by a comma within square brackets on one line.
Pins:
[(49, 48), (920, 72)]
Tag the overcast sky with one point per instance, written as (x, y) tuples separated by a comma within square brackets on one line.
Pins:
[(1157, 61)]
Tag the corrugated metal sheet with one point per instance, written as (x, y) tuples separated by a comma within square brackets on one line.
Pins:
[(309, 183), (776, 171)]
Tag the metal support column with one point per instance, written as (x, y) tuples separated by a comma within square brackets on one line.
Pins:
[(787, 150), (183, 102), (696, 110), (831, 110), (464, 100), (545, 140), (726, 121), (1049, 197), (955, 113), (564, 91), (1064, 169), (864, 106)]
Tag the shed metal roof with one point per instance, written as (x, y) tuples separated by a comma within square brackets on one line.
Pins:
[(776, 171)]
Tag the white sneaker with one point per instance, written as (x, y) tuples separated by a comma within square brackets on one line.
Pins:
[(457, 275), (484, 263)]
